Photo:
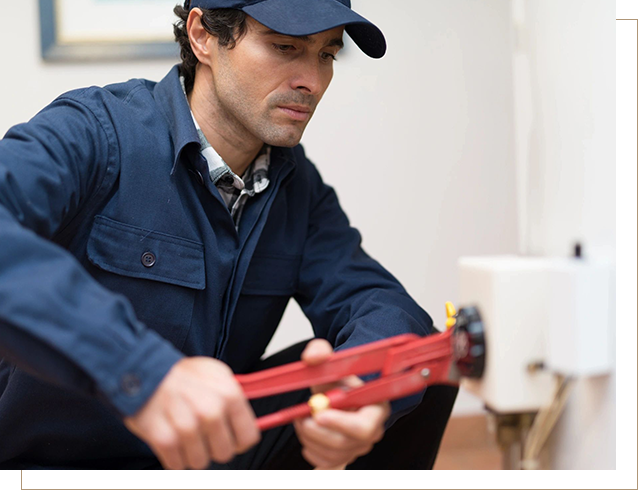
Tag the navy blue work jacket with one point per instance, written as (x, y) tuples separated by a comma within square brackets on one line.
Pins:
[(117, 259)]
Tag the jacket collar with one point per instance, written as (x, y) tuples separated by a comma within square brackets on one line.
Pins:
[(171, 101)]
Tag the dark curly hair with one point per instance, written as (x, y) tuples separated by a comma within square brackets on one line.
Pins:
[(228, 25)]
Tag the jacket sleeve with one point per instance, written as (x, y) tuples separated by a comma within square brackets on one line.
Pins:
[(56, 321), (349, 297)]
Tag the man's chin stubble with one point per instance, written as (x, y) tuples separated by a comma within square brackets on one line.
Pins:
[(287, 139)]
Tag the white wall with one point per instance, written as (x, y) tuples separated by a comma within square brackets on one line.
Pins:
[(419, 145), (27, 83), (566, 131)]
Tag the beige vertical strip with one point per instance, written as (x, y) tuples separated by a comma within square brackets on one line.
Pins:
[(627, 204)]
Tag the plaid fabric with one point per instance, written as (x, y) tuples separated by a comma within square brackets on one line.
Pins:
[(234, 190)]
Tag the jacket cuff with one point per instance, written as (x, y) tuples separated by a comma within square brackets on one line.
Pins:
[(137, 378)]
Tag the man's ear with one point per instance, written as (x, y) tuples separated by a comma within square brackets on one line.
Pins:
[(201, 40)]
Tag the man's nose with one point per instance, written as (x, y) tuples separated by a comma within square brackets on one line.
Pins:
[(309, 79)]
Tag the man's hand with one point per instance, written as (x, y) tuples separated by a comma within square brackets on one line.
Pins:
[(197, 414), (335, 438)]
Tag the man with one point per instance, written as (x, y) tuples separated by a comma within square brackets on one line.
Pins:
[(152, 235)]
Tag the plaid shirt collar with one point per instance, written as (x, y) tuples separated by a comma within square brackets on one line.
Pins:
[(234, 190)]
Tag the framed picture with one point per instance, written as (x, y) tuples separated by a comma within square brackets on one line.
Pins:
[(88, 30)]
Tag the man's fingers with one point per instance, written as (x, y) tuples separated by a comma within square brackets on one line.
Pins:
[(313, 433), (165, 444), (320, 462), (243, 424), (193, 448), (316, 352), (195, 451), (328, 455), (364, 424), (221, 441), (197, 414), (336, 437), (324, 450), (352, 381), (315, 459)]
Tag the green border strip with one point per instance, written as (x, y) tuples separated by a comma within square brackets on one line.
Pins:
[(620, 424), (154, 479)]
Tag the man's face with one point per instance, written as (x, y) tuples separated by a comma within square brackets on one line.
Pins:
[(269, 84)]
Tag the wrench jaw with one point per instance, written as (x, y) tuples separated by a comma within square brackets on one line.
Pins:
[(468, 344), (407, 363)]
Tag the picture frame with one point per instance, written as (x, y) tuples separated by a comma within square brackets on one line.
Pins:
[(126, 30)]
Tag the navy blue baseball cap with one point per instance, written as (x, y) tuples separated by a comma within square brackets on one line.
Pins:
[(306, 17)]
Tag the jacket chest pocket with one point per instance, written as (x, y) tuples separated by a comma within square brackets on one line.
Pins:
[(160, 274)]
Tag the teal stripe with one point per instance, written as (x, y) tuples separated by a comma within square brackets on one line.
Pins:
[(480, 475), (175, 474)]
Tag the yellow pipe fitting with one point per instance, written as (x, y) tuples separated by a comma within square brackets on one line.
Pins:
[(318, 403), (451, 315)]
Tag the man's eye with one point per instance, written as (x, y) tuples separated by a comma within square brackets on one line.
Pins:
[(328, 57), (284, 48)]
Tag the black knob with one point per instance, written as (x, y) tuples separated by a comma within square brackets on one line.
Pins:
[(468, 341)]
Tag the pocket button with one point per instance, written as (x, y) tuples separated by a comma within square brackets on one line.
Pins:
[(148, 259)]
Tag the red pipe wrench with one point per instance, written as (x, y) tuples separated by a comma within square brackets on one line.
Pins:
[(407, 364)]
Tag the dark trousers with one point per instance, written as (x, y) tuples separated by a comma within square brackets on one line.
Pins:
[(411, 443)]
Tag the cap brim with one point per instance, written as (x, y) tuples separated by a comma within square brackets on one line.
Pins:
[(305, 17)]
